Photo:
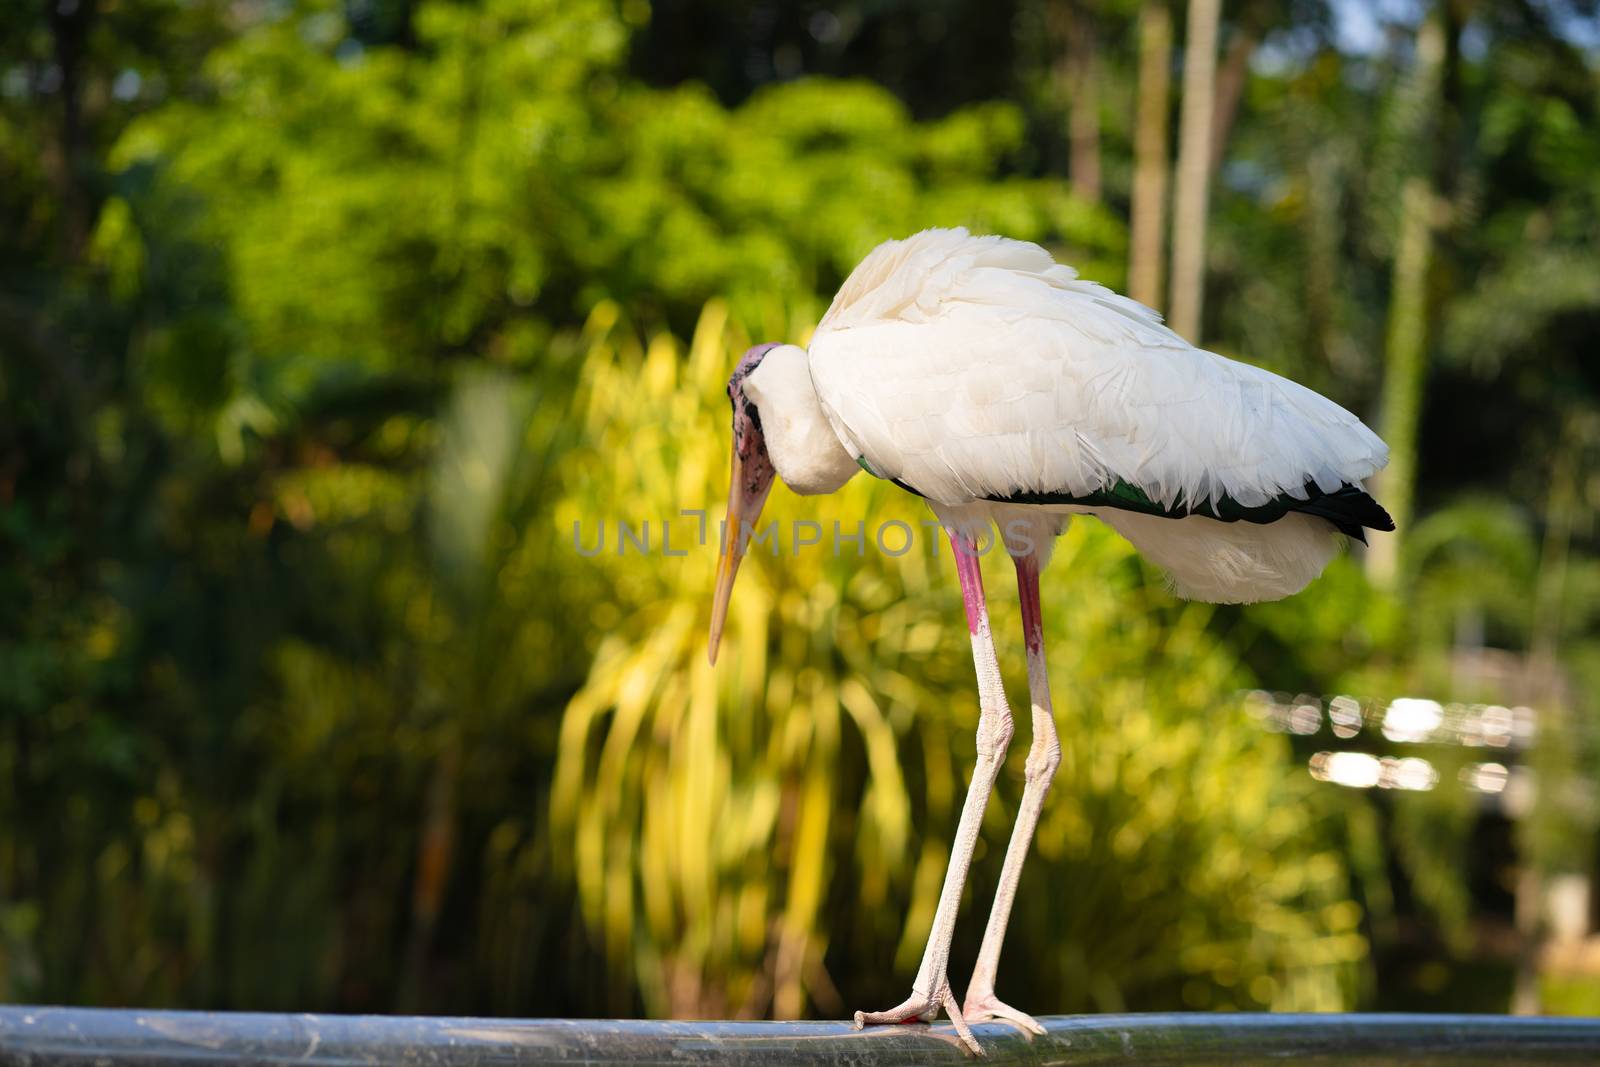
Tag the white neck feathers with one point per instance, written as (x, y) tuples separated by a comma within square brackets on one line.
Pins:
[(800, 440)]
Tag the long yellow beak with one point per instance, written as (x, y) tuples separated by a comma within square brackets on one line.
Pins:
[(744, 509)]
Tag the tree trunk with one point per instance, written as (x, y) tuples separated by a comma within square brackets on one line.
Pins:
[(1231, 78), (1322, 232), (1078, 72), (435, 855), (1085, 117), (1406, 343), (1561, 515), (1194, 167), (70, 25), (1527, 912), (1405, 366), (1149, 208), (1545, 690)]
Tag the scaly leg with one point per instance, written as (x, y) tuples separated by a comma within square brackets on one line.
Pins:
[(931, 990), (1044, 755)]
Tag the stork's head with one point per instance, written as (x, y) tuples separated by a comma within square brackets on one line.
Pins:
[(779, 429), (752, 481)]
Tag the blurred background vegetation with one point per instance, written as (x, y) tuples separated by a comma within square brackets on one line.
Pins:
[(323, 324)]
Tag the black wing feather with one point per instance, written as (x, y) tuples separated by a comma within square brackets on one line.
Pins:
[(1350, 509)]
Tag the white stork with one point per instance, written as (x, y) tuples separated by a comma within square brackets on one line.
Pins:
[(984, 377)]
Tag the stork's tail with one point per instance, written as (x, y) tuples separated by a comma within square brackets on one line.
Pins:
[(1350, 508)]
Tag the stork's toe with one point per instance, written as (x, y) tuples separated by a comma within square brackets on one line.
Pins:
[(917, 1009), (984, 1006), (923, 1007)]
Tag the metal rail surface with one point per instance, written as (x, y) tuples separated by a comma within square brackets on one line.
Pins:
[(78, 1037)]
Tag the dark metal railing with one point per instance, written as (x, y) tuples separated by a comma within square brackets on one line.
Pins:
[(76, 1037)]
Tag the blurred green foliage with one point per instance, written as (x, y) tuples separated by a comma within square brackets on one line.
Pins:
[(322, 325)]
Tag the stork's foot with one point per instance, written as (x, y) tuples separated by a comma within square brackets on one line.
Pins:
[(984, 1005), (923, 1007)]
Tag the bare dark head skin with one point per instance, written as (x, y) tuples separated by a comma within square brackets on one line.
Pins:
[(751, 481), (749, 446)]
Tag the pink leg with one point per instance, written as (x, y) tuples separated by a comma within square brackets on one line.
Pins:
[(931, 990), (1043, 757)]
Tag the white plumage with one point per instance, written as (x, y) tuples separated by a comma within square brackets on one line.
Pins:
[(976, 367), (802, 442)]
